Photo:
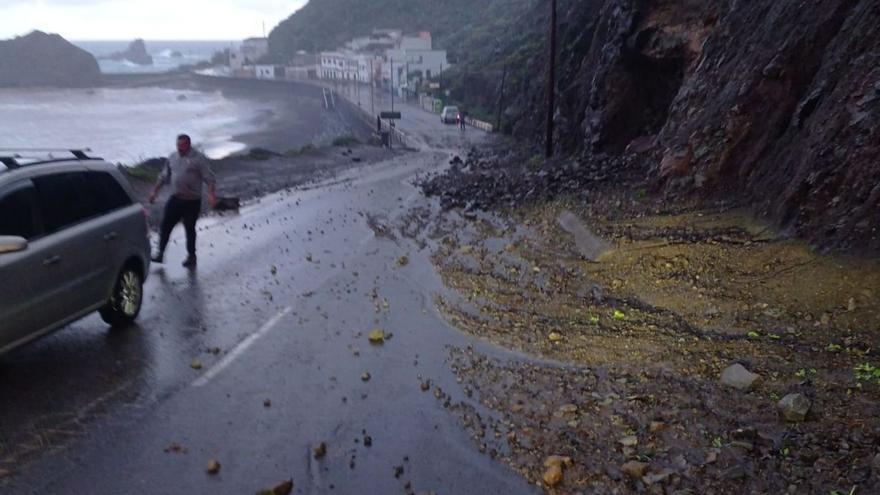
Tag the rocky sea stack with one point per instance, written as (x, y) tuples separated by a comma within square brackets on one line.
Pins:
[(40, 59), (136, 53)]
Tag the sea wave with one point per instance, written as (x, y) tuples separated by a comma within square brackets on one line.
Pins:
[(125, 126)]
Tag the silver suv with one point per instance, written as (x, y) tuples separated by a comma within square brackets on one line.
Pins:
[(72, 240)]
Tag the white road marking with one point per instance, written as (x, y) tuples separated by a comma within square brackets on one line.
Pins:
[(239, 349)]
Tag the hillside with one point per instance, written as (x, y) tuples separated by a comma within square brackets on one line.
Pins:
[(41, 59), (763, 103), (459, 26)]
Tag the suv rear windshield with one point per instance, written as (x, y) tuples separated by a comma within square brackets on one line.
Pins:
[(73, 197)]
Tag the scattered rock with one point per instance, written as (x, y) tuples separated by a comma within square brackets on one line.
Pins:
[(398, 471), (175, 448), (284, 488), (213, 467), (267, 403), (403, 261), (734, 473), (553, 476), (851, 305), (794, 407), (568, 409), (554, 337), (654, 478), (656, 426), (742, 444), (558, 460), (320, 450), (634, 469), (366, 376), (195, 364), (613, 472), (630, 441), (377, 336), (738, 377), (368, 441)]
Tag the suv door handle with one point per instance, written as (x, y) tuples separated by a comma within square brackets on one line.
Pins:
[(111, 236), (52, 260)]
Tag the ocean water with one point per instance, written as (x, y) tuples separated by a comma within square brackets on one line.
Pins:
[(125, 125), (192, 52)]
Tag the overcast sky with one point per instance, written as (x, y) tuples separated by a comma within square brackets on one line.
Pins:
[(148, 19)]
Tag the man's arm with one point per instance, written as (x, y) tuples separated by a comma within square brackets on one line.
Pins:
[(164, 178), (210, 180)]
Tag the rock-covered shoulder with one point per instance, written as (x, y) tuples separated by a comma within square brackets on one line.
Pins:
[(46, 60)]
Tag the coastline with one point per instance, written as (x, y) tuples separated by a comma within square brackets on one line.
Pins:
[(295, 115), (295, 142)]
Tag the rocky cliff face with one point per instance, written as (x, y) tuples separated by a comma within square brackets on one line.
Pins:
[(775, 104), (41, 59), (782, 109)]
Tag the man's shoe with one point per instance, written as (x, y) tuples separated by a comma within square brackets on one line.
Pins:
[(190, 262), (157, 258)]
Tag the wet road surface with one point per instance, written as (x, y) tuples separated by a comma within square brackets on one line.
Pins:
[(261, 354)]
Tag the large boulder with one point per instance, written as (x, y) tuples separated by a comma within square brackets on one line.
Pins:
[(39, 60)]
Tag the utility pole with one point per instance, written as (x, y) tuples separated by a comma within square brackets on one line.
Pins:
[(372, 85), (501, 99), (392, 84), (551, 80)]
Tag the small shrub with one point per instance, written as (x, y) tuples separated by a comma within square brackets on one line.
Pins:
[(345, 141)]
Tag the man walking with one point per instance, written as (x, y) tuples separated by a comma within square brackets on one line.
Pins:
[(186, 171)]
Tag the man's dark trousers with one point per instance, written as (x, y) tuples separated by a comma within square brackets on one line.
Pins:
[(176, 210)]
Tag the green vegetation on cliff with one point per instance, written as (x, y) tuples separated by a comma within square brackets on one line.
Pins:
[(463, 27)]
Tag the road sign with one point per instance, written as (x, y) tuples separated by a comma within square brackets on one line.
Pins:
[(390, 115)]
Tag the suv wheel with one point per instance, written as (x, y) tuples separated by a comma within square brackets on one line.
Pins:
[(125, 302)]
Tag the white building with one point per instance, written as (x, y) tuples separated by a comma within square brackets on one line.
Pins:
[(338, 66), (253, 49), (269, 72), (236, 59), (370, 58), (413, 65), (423, 41)]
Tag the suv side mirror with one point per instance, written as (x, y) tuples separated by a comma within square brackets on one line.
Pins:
[(12, 244)]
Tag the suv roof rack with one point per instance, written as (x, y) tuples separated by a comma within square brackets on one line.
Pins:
[(18, 157)]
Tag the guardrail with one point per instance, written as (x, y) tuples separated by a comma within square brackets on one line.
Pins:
[(397, 136), (479, 124)]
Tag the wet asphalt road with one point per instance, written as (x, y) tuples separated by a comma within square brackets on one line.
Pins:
[(279, 310)]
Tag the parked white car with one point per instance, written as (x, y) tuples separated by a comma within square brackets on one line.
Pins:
[(449, 115)]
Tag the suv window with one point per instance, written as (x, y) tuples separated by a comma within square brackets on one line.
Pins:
[(18, 212), (73, 197), (106, 191)]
